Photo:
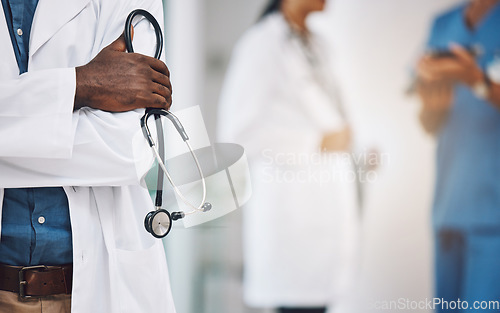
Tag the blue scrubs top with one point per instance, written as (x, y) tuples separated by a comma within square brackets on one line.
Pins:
[(36, 226), (467, 192)]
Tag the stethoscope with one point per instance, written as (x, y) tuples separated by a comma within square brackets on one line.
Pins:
[(159, 221)]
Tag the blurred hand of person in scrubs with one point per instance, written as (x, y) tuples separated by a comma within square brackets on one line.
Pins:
[(437, 75)]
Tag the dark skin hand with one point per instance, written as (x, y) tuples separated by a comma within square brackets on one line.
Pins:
[(117, 81)]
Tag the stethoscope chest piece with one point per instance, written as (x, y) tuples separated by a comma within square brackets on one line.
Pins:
[(158, 223)]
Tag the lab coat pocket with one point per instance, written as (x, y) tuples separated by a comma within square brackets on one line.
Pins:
[(147, 269)]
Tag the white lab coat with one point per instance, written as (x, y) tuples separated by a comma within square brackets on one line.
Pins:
[(299, 229), (118, 266)]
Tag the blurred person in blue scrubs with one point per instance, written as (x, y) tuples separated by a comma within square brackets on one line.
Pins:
[(281, 103), (459, 88)]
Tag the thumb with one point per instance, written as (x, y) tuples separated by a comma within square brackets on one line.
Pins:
[(461, 53), (119, 44)]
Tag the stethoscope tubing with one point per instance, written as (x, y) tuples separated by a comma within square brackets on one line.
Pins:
[(128, 31), (159, 155), (180, 128)]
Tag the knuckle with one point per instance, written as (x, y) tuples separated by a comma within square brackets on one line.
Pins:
[(165, 69), (140, 57), (162, 66), (160, 102), (166, 91), (142, 85), (157, 102), (147, 73), (134, 58)]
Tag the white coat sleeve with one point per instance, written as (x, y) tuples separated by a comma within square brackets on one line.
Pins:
[(257, 107), (45, 143)]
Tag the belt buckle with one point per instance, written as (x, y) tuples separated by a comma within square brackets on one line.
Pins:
[(23, 282)]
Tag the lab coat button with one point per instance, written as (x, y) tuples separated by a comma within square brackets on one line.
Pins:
[(19, 31), (41, 220)]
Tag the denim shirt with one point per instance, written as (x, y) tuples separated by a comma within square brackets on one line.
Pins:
[(36, 226)]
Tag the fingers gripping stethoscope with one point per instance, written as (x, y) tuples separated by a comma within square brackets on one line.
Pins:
[(159, 221)]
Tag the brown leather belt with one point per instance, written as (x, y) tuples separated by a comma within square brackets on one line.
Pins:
[(36, 281)]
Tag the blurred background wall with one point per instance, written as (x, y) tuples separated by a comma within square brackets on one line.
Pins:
[(376, 42)]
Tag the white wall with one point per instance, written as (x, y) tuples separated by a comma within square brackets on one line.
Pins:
[(376, 44), (205, 261)]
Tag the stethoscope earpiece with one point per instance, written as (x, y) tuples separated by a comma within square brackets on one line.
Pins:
[(207, 206)]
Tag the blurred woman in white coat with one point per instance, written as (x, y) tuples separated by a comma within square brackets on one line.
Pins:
[(279, 101)]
